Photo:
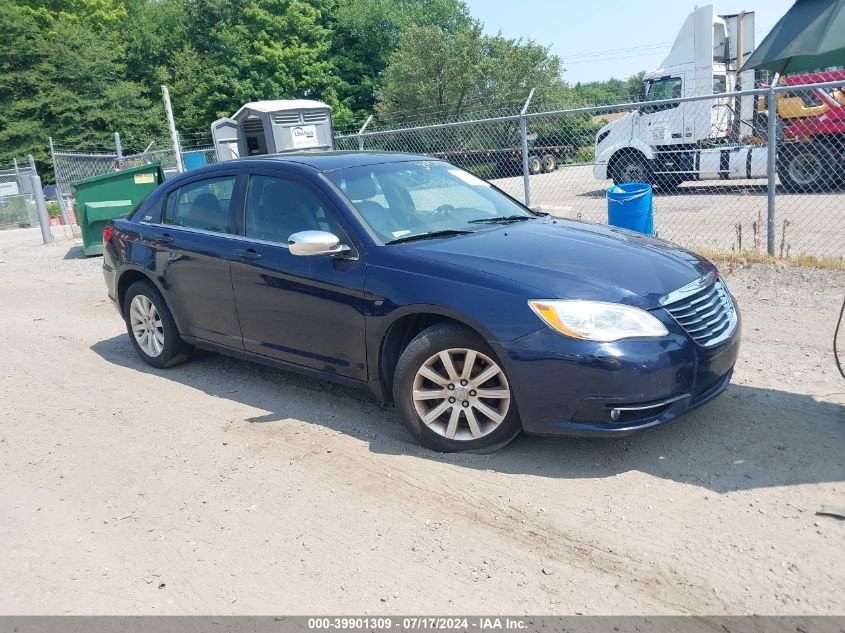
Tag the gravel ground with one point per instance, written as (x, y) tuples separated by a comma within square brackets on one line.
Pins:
[(703, 215), (225, 487)]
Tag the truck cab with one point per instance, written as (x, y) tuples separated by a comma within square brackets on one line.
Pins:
[(650, 143)]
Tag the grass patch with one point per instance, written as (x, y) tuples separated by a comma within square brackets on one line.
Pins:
[(755, 257)]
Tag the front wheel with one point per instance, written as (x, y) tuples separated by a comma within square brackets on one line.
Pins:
[(452, 393), (631, 168)]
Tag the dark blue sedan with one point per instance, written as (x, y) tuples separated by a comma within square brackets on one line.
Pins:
[(474, 315)]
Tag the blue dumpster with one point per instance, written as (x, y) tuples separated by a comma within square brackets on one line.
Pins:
[(631, 206), (192, 160)]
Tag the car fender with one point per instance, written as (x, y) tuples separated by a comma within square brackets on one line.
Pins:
[(151, 277)]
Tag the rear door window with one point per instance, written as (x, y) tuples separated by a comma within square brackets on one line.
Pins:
[(202, 205)]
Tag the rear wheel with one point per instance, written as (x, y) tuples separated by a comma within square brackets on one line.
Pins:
[(805, 167), (452, 393), (631, 168), (549, 163), (535, 165), (151, 327)]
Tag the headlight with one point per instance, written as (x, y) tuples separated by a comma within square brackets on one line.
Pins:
[(597, 320)]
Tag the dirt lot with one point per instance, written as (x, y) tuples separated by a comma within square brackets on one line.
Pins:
[(224, 487)]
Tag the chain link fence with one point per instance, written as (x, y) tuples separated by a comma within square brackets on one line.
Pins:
[(719, 185), (72, 166), (17, 202), (727, 177)]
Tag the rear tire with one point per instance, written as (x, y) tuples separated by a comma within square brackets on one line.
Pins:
[(459, 407), (806, 168), (151, 327), (535, 165), (549, 163)]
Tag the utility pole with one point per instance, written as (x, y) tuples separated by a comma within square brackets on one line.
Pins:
[(171, 124)]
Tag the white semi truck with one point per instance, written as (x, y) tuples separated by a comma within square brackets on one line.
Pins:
[(668, 143)]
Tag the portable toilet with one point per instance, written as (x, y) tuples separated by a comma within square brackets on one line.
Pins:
[(274, 127)]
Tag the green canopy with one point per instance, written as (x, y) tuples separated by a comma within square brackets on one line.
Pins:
[(810, 36)]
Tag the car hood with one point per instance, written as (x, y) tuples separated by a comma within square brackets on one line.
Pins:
[(574, 260)]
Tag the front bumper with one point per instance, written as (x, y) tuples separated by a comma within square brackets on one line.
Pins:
[(564, 386)]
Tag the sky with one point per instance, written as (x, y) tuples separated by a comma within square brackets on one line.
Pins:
[(600, 39)]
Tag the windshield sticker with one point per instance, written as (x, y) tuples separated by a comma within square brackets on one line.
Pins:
[(401, 233), (469, 178)]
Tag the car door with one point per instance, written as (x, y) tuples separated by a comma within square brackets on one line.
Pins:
[(303, 310), (194, 239)]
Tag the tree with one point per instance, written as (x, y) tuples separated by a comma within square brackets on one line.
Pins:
[(367, 32), (22, 65), (447, 73)]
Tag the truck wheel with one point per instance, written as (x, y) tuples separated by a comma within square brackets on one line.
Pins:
[(631, 168), (549, 163), (535, 165), (806, 167)]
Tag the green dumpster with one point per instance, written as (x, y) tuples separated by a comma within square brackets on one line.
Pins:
[(101, 198)]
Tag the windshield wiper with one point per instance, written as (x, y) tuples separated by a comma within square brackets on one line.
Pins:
[(506, 219), (428, 236)]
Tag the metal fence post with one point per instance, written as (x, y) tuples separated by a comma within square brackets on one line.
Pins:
[(171, 124), (118, 148), (41, 207), (772, 159), (523, 133), (361, 133), (17, 174), (59, 197)]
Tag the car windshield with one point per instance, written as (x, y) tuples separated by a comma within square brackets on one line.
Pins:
[(416, 200)]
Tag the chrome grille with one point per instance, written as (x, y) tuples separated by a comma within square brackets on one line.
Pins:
[(704, 309)]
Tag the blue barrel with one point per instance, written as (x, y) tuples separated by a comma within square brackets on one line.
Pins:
[(631, 206)]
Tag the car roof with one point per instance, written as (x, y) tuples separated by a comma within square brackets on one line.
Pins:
[(325, 161), (317, 161)]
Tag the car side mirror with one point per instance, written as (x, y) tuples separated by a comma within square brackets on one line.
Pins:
[(307, 243)]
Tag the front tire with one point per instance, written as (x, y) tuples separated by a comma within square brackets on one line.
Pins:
[(452, 393), (631, 168), (151, 327)]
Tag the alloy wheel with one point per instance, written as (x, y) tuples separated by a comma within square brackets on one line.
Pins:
[(461, 394), (146, 325)]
